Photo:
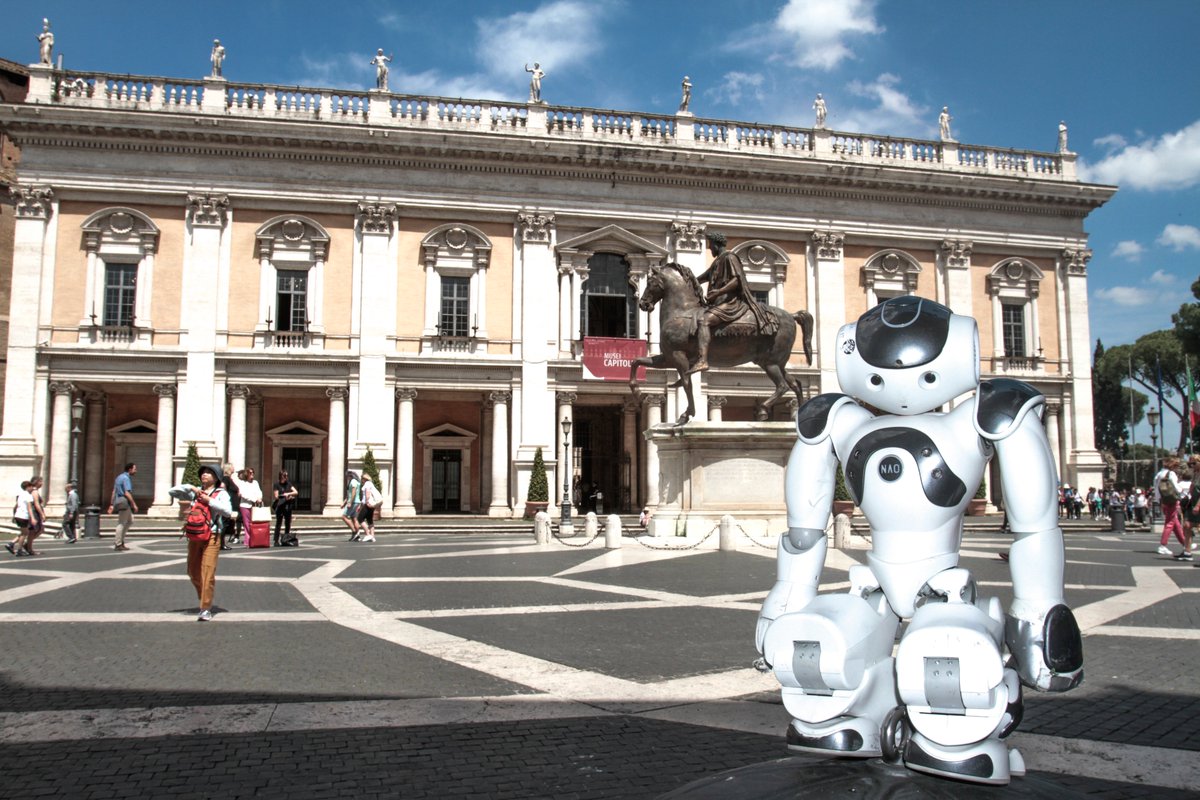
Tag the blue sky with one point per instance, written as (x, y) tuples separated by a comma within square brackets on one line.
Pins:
[(1122, 75)]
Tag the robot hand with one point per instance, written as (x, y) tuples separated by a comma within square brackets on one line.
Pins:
[(798, 564), (1046, 646)]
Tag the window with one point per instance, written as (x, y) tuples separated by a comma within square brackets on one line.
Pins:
[(762, 295), (120, 292), (291, 299), (609, 300), (1014, 329), (456, 307)]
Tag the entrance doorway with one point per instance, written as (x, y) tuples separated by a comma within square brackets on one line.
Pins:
[(447, 480), (298, 462), (602, 481)]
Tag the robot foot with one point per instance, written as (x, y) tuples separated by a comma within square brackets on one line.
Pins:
[(852, 737), (988, 761)]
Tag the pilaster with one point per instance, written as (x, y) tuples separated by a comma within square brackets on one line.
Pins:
[(536, 423), (1087, 461), (828, 266), (373, 416), (956, 271)]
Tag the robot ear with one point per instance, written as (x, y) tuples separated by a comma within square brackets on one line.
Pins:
[(846, 343)]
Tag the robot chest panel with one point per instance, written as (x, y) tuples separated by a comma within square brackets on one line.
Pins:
[(893, 461)]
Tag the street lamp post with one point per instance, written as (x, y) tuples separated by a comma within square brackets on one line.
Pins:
[(1120, 460), (1152, 418), (76, 418), (565, 521)]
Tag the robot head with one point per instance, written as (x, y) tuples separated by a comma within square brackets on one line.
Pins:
[(908, 355)]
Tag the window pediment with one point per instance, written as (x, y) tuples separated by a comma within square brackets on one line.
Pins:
[(456, 246), (639, 252), (292, 238), (120, 231)]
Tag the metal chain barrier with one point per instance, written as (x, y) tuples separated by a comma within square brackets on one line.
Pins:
[(563, 541), (753, 541), (692, 546)]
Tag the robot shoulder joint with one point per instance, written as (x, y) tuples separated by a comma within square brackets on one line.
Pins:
[(1001, 404), (813, 420)]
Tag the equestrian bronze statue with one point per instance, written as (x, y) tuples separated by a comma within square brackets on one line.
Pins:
[(759, 334)]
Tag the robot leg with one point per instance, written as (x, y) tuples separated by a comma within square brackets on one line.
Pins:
[(961, 700), (833, 660)]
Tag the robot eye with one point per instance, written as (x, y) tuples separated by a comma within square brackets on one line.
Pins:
[(929, 378), (875, 380)]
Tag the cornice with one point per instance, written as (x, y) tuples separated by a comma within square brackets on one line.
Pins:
[(463, 152)]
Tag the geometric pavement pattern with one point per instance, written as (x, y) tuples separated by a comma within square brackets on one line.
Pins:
[(431, 665)]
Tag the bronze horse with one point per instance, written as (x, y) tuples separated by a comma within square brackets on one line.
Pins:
[(682, 299)]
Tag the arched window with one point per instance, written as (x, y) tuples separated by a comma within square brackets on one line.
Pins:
[(291, 252), (456, 259), (765, 265), (608, 303), (1014, 285), (888, 274), (120, 244)]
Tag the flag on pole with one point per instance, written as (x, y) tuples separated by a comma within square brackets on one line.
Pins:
[(1193, 403)]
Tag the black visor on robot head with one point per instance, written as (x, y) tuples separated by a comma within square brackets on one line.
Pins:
[(902, 332)]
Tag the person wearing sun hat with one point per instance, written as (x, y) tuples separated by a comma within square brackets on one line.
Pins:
[(202, 555)]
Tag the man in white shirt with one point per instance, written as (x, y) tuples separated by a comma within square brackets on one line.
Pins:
[(1167, 491)]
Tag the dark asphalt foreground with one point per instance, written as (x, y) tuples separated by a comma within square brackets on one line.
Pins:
[(484, 667)]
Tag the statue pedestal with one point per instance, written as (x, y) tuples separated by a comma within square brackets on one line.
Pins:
[(710, 469)]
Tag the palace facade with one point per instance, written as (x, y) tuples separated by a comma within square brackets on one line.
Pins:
[(291, 277)]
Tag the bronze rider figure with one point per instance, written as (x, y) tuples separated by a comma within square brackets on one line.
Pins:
[(728, 299)]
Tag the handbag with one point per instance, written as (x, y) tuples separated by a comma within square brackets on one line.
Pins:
[(260, 514)]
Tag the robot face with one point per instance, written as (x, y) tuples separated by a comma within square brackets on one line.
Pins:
[(908, 355)]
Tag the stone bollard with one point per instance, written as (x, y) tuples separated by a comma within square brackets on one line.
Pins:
[(841, 532), (591, 525), (612, 532), (728, 541), (541, 527)]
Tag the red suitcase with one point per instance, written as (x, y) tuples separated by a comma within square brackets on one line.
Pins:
[(259, 534)]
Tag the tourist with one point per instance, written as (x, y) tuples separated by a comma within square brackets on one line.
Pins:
[(284, 494), (1168, 491), (233, 531), (351, 503), (21, 518), (70, 521), (37, 514), (371, 499), (251, 496), (123, 503), (202, 554)]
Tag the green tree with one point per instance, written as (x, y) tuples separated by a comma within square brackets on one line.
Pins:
[(1187, 324), (539, 488), (1109, 409), (369, 467), (840, 492), (1146, 355), (191, 466)]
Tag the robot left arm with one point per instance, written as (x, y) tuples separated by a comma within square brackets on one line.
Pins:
[(1040, 630), (808, 489)]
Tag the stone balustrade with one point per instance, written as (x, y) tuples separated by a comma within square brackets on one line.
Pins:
[(138, 93)]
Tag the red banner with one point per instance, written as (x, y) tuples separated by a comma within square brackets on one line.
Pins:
[(609, 359)]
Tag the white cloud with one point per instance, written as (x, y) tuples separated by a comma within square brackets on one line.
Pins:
[(1169, 162), (1163, 278), (735, 85), (1128, 296), (1111, 142), (344, 71), (894, 112), (1128, 250), (818, 30), (352, 71), (1180, 237), (558, 35)]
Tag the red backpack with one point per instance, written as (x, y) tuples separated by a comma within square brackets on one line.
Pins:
[(198, 525)]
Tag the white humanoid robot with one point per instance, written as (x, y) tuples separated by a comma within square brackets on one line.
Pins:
[(946, 699)]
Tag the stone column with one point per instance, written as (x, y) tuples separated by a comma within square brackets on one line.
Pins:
[(60, 446), (566, 298), (335, 475), (499, 506), (20, 453), (93, 451), (956, 268), (372, 422), (1087, 461), (629, 431), (164, 449), (566, 410), (405, 434), (254, 434), (1053, 409), (687, 241), (533, 408), (829, 270), (654, 409), (485, 455), (201, 408), (716, 402), (236, 451)]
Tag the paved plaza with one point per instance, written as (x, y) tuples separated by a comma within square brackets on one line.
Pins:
[(487, 666)]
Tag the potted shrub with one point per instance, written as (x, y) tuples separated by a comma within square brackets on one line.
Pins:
[(369, 467), (843, 503), (538, 498), (978, 504), (191, 475)]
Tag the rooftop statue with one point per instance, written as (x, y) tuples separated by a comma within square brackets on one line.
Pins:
[(944, 124), (1062, 137), (687, 95), (380, 62), (535, 82), (46, 44), (819, 105), (743, 330), (217, 58)]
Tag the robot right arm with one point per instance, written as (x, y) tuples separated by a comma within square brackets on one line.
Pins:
[(808, 489)]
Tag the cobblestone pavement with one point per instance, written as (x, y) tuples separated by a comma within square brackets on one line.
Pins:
[(487, 666)]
